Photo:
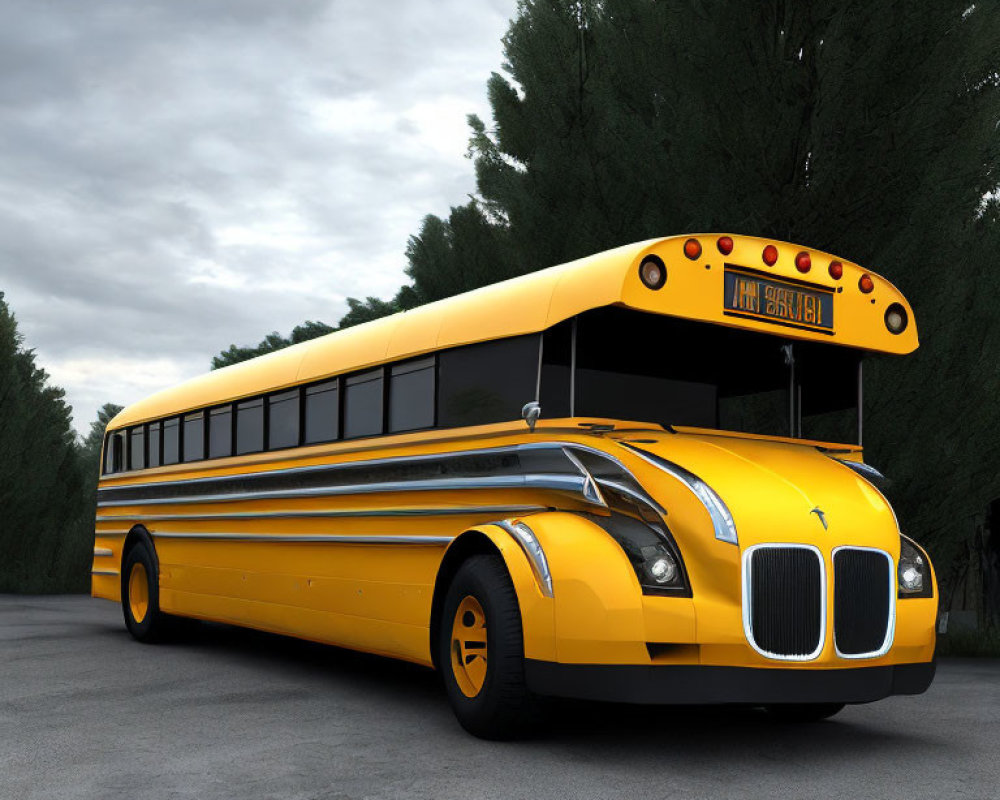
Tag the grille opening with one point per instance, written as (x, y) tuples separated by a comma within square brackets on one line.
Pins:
[(786, 602), (861, 603)]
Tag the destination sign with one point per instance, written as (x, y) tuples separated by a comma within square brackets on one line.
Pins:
[(752, 295)]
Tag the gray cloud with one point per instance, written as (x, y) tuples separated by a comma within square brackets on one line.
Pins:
[(178, 176)]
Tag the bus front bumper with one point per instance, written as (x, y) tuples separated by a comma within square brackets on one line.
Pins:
[(692, 684)]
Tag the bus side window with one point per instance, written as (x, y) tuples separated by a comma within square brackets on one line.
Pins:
[(250, 426), (363, 404), (153, 443), (323, 412), (194, 436), (137, 448), (489, 382), (283, 420), (172, 440), (220, 432), (114, 452), (411, 395)]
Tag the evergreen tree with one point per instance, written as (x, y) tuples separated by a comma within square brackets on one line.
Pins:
[(47, 520)]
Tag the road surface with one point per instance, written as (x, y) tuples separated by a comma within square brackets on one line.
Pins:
[(86, 712)]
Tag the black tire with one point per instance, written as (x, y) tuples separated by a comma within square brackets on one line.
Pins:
[(503, 707), (803, 712), (153, 626)]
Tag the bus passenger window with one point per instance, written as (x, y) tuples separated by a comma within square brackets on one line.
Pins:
[(283, 420), (194, 436), (489, 382), (322, 412), (250, 426), (114, 452), (137, 448), (171, 440), (411, 395), (363, 404), (153, 441), (220, 432)]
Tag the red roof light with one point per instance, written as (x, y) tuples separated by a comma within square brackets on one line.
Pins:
[(836, 270), (770, 255), (725, 245), (803, 262)]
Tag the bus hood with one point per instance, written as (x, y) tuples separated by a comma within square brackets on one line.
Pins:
[(776, 491)]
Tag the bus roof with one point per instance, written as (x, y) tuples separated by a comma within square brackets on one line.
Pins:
[(697, 279)]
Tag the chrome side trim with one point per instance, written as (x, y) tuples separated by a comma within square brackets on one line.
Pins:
[(747, 628), (568, 483), (306, 538), (532, 549), (372, 462), (589, 490), (381, 512), (104, 572), (103, 551), (341, 465), (890, 628)]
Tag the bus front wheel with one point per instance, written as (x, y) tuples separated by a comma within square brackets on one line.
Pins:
[(481, 651), (141, 595)]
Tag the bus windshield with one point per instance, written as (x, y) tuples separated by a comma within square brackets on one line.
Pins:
[(646, 367)]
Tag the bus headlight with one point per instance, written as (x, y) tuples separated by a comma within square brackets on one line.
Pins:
[(650, 550), (914, 571)]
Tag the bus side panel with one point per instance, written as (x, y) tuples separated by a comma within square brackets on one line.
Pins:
[(370, 597)]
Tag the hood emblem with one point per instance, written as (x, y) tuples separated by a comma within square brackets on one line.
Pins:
[(822, 517)]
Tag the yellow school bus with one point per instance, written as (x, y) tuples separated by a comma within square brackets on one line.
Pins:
[(635, 477)]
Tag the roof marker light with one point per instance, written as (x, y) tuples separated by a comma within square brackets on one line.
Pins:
[(836, 270), (725, 244), (803, 263), (692, 248), (770, 255), (866, 284)]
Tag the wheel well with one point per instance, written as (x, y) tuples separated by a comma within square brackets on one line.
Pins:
[(470, 543), (136, 535)]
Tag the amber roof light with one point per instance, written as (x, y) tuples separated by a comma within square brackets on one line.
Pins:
[(692, 248)]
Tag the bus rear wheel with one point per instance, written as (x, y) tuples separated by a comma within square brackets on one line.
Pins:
[(141, 595), (481, 651), (803, 712)]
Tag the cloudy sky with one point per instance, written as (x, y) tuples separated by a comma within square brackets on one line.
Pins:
[(179, 176)]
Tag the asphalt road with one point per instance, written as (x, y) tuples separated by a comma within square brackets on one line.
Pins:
[(85, 712)]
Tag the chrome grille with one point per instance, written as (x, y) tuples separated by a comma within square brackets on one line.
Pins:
[(784, 601), (863, 602)]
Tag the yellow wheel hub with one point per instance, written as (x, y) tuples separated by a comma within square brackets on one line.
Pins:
[(468, 646), (138, 592)]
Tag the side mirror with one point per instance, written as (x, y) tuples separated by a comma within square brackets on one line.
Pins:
[(530, 414)]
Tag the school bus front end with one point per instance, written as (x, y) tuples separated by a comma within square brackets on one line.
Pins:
[(729, 570)]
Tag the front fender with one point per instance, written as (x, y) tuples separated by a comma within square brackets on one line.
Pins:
[(600, 612)]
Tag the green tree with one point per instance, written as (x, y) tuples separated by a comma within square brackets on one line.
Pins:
[(46, 525)]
